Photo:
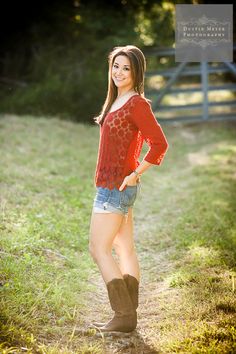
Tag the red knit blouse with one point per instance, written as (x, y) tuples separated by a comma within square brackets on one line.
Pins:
[(122, 134)]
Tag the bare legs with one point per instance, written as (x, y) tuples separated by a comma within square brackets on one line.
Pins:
[(106, 231), (125, 248), (103, 229)]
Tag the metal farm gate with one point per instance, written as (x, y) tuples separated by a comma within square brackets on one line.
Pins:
[(174, 75)]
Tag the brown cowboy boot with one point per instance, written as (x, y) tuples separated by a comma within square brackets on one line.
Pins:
[(133, 289), (124, 319)]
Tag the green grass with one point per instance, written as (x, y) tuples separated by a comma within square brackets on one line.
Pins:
[(185, 233), (45, 209)]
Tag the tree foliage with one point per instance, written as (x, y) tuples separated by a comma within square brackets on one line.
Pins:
[(63, 55)]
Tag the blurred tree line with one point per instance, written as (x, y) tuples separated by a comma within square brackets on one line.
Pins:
[(57, 63)]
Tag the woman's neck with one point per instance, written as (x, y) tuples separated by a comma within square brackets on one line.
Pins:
[(124, 93)]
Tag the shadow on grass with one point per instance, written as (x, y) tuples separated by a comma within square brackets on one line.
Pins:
[(125, 343)]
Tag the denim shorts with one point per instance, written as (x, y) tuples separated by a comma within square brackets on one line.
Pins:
[(114, 200)]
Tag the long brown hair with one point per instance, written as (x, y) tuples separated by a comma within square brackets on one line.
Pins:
[(138, 67)]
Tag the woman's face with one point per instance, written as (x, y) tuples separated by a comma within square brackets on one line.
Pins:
[(121, 73)]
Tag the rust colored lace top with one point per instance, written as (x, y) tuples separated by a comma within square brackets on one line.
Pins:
[(122, 134)]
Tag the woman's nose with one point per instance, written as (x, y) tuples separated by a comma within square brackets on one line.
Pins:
[(119, 71)]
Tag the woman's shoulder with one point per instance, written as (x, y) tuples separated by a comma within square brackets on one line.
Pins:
[(140, 99)]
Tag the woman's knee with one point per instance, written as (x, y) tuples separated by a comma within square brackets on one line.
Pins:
[(125, 250), (103, 229), (92, 250), (97, 252)]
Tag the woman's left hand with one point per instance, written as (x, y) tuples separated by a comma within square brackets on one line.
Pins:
[(130, 180)]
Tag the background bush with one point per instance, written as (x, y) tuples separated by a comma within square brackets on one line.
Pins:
[(62, 57)]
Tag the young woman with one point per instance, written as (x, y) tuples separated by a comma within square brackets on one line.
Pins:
[(125, 121)]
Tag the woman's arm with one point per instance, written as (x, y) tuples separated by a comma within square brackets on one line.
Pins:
[(132, 178), (143, 166), (144, 119)]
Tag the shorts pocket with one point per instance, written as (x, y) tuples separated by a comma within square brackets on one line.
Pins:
[(129, 195)]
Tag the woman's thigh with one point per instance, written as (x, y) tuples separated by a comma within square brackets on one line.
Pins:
[(103, 229), (124, 240)]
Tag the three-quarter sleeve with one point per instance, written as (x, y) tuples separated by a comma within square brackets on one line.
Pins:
[(144, 119)]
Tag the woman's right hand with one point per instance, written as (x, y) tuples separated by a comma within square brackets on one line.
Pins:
[(130, 180)]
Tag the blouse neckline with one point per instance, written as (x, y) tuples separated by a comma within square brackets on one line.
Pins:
[(124, 104)]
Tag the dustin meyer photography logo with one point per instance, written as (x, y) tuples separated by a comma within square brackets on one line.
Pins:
[(203, 32)]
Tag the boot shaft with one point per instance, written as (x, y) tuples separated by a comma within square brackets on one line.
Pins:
[(133, 288), (119, 297)]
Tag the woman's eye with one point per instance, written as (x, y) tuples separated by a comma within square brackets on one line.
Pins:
[(116, 66)]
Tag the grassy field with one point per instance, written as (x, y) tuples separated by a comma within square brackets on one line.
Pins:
[(185, 232)]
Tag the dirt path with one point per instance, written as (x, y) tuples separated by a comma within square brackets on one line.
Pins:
[(185, 299), (144, 340)]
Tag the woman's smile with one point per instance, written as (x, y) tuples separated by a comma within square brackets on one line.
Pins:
[(121, 72)]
